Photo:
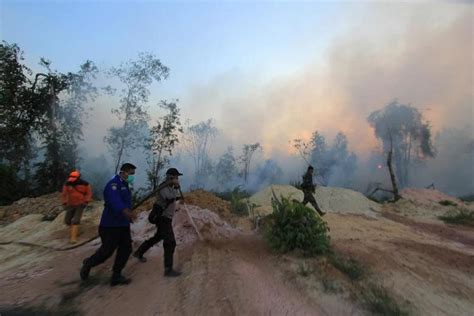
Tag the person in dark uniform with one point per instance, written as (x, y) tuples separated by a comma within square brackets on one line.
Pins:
[(166, 205), (308, 189), (114, 228)]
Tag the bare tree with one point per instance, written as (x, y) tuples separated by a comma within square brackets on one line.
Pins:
[(197, 141), (246, 158)]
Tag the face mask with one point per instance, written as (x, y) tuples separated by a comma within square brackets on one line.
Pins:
[(130, 179)]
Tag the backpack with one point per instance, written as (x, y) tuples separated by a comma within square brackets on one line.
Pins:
[(155, 214)]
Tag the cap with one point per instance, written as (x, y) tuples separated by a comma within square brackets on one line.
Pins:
[(173, 172)]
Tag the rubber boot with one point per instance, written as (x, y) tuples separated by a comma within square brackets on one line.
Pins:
[(170, 272), (74, 231), (85, 270), (119, 279)]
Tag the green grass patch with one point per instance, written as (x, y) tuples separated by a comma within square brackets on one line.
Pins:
[(461, 217), (350, 267), (379, 301)]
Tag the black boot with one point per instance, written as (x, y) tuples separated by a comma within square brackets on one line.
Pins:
[(139, 257), (118, 279), (170, 272), (85, 270)]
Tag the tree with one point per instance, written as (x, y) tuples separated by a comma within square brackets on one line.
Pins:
[(197, 140), (137, 76), (334, 164), (62, 125), (403, 131), (270, 172), (246, 158), (21, 113), (226, 168), (162, 140)]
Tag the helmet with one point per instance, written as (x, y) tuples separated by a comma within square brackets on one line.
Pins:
[(73, 176), (173, 172)]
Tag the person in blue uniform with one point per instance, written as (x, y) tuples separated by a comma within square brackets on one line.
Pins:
[(114, 228)]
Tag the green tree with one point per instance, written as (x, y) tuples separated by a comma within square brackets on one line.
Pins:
[(405, 134), (164, 136), (226, 168), (136, 76)]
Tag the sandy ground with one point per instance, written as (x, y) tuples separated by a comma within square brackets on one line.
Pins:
[(420, 260)]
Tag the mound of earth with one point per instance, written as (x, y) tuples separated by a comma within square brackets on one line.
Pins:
[(427, 196), (49, 205), (330, 199), (33, 231)]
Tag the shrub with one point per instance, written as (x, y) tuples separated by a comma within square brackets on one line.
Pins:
[(462, 217), (293, 226), (237, 192), (348, 266), (448, 203), (380, 302)]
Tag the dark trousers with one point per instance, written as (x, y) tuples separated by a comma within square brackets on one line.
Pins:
[(113, 238), (164, 231), (309, 197)]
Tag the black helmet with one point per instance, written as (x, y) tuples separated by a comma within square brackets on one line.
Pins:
[(173, 172)]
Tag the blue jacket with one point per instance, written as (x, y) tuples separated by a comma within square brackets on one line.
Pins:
[(117, 197)]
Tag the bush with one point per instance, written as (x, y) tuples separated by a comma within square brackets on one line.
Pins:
[(238, 200), (293, 226), (448, 203), (237, 192), (380, 302), (348, 266), (461, 217)]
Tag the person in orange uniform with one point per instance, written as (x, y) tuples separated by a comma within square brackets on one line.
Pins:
[(76, 194)]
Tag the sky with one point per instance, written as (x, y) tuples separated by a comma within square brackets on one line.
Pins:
[(268, 71), (197, 40)]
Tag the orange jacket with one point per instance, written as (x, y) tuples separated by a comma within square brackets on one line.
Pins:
[(76, 193)]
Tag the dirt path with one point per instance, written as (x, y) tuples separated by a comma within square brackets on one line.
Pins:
[(220, 278)]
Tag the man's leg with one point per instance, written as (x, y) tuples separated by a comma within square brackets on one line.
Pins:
[(147, 244), (75, 221), (169, 245), (77, 215), (108, 236), (69, 215), (123, 253), (313, 202)]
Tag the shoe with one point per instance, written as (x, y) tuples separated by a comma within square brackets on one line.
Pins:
[(85, 270), (169, 272), (119, 280), (139, 257)]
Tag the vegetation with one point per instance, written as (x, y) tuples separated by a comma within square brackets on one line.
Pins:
[(448, 203), (380, 302), (348, 266), (460, 217), (293, 226), (332, 162)]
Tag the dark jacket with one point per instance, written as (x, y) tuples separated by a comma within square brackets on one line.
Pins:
[(117, 197), (307, 184)]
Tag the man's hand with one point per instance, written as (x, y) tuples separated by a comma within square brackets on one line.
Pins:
[(128, 213)]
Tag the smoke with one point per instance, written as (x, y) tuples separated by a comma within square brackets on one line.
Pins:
[(420, 54)]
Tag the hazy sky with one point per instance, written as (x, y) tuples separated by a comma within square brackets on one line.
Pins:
[(268, 71)]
